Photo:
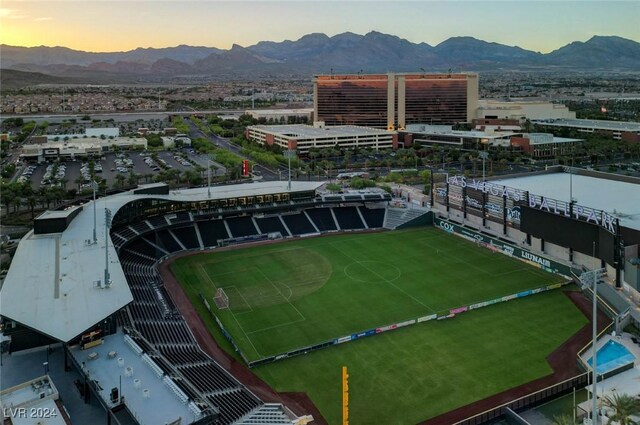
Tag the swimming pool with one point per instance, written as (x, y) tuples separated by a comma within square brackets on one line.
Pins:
[(612, 355)]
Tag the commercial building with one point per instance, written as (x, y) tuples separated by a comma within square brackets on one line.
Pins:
[(538, 145), (522, 110), (104, 132), (544, 145), (280, 114), (304, 137), (392, 101), (79, 148), (618, 130)]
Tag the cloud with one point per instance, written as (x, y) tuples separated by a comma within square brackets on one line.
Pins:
[(42, 19), (12, 14)]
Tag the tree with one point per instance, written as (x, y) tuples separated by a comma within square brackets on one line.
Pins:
[(624, 405), (132, 179), (563, 420), (119, 181)]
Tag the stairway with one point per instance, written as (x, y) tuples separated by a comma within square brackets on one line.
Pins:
[(396, 217)]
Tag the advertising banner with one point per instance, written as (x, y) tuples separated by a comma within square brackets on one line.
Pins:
[(497, 245)]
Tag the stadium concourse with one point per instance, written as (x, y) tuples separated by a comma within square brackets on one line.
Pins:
[(85, 278)]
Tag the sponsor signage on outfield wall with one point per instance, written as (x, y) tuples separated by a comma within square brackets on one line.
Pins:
[(503, 247), (459, 310), (553, 206), (426, 318)]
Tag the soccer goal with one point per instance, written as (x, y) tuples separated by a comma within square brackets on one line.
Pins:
[(221, 299)]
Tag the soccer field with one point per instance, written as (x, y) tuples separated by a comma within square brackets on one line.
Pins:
[(299, 293)]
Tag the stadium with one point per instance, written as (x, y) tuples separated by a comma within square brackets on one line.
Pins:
[(241, 304)]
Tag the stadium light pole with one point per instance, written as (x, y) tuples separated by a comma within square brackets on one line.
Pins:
[(289, 152), (107, 223), (208, 177), (594, 363), (95, 237)]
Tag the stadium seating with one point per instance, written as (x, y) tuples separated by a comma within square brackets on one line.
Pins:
[(322, 218), (188, 237), (348, 218), (158, 221), (272, 225), (180, 217), (163, 333), (298, 224), (211, 231), (373, 216), (241, 226), (167, 241)]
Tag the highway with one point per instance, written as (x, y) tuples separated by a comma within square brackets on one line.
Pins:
[(121, 116)]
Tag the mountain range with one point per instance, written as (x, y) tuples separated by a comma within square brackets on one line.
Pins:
[(319, 53)]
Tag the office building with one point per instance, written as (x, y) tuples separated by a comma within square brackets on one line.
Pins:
[(304, 137), (391, 101)]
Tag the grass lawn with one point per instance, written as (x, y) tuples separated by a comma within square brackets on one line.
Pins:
[(304, 292), (296, 293), (415, 373)]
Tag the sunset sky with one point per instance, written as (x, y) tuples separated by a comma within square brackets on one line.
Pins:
[(101, 25)]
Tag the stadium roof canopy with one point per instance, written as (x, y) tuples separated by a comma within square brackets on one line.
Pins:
[(618, 198), (51, 285)]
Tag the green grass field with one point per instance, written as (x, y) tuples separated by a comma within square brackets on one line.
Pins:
[(296, 294), (339, 284)]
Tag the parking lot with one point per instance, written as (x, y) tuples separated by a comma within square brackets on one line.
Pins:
[(77, 174)]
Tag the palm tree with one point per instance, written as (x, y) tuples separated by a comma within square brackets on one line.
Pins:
[(624, 405), (563, 420)]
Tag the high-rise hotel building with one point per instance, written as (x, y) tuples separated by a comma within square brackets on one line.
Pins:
[(392, 101)]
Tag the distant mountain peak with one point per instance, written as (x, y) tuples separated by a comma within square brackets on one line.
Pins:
[(317, 52)]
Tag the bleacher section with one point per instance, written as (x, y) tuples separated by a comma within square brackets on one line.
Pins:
[(241, 226), (211, 231), (164, 335), (299, 224), (348, 218), (373, 216), (322, 218), (187, 236), (158, 221), (272, 225), (167, 241)]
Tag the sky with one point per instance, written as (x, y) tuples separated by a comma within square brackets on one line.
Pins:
[(117, 25)]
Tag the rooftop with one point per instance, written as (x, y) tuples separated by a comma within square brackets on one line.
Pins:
[(592, 124), (308, 131), (22, 403), (159, 405), (51, 285), (617, 198)]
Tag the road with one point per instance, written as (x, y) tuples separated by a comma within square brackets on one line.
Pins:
[(222, 143), (121, 116)]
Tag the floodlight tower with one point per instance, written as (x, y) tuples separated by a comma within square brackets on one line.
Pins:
[(95, 187), (107, 224)]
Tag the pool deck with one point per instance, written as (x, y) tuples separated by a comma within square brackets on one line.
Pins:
[(623, 339), (627, 382)]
